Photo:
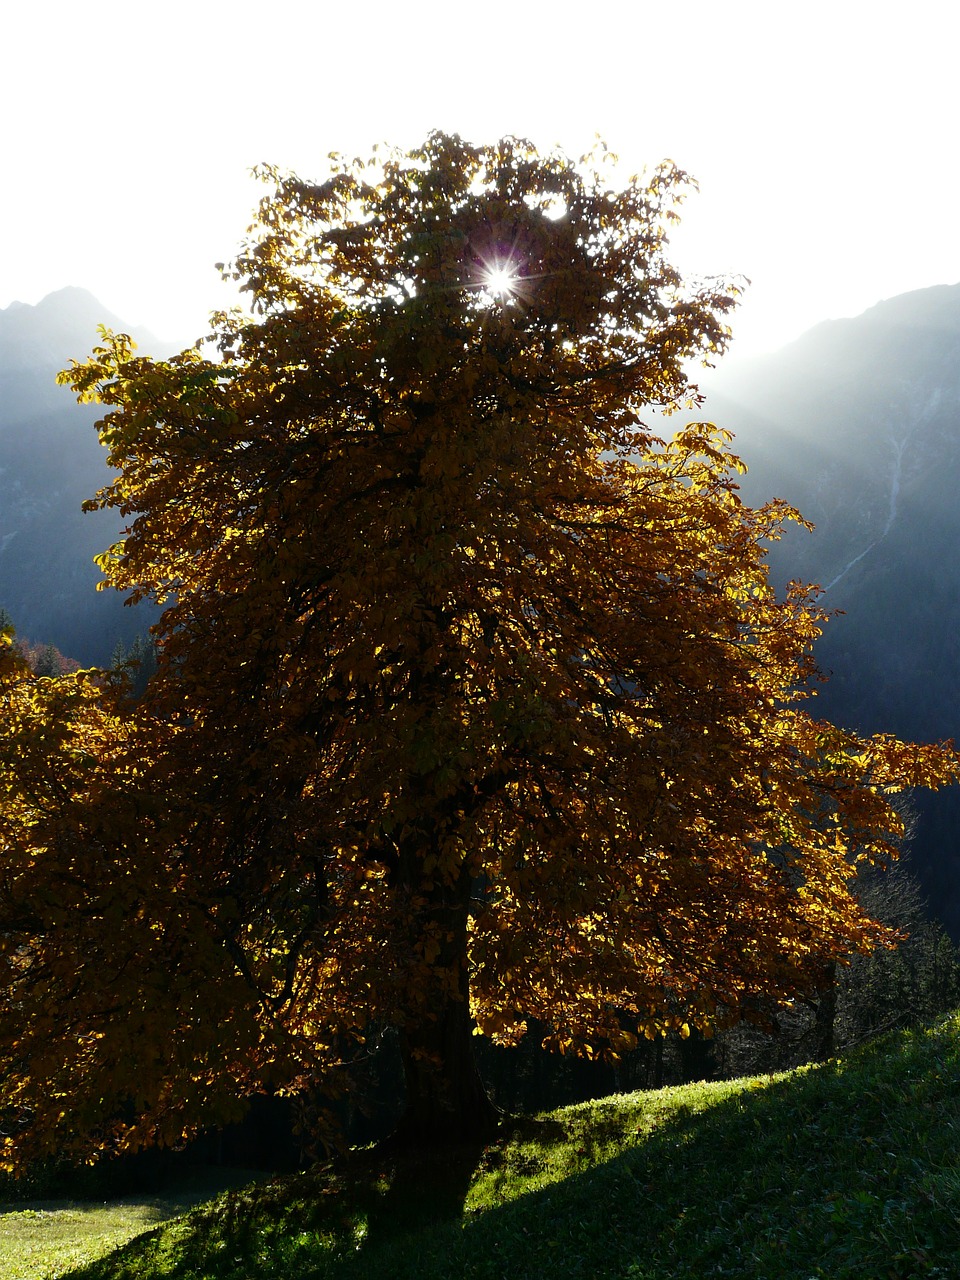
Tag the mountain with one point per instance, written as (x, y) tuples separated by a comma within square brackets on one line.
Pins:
[(857, 424), (50, 461)]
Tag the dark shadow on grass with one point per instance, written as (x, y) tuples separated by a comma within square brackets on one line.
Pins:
[(194, 1187), (421, 1188), (830, 1173)]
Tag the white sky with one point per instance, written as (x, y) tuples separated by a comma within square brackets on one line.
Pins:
[(823, 134)]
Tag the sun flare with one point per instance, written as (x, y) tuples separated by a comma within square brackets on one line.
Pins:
[(500, 282)]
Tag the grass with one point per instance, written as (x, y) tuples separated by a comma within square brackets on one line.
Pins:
[(41, 1239), (842, 1171)]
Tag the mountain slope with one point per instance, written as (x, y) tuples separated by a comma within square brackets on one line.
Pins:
[(858, 425), (50, 461)]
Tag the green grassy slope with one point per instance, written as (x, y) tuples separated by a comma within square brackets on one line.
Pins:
[(851, 1169)]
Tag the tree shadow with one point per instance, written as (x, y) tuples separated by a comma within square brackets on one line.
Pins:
[(418, 1187)]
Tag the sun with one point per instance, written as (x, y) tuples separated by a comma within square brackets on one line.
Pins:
[(500, 281)]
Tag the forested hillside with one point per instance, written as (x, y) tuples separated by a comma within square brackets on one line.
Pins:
[(50, 462), (858, 425)]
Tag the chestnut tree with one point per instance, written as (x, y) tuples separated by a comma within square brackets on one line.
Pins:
[(474, 704)]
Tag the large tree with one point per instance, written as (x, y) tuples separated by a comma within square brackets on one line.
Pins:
[(474, 704)]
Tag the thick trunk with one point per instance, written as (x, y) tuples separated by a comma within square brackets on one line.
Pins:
[(445, 1098), (446, 1101)]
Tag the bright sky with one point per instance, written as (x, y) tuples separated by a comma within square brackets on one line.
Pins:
[(823, 134)]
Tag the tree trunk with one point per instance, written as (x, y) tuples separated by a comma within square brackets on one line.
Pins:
[(446, 1101), (824, 1026), (696, 1057), (658, 1062)]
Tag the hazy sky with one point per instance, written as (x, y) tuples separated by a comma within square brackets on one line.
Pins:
[(823, 135)]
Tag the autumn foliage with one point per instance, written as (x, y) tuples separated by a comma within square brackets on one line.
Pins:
[(474, 703)]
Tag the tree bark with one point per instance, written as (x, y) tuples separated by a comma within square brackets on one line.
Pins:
[(446, 1101), (824, 1026), (696, 1059)]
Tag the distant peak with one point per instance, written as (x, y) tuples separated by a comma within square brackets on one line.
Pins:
[(70, 297), (72, 300), (67, 293), (59, 325)]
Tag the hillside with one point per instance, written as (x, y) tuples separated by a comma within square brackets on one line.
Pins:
[(857, 424), (842, 1171), (50, 462)]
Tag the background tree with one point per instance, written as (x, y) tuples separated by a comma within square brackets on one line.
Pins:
[(48, 661), (473, 705), (42, 659), (898, 986), (138, 661), (905, 986)]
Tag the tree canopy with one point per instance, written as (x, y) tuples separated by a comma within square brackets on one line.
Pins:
[(474, 704)]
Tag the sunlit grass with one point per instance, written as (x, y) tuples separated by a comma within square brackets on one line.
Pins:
[(37, 1242), (44, 1239)]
